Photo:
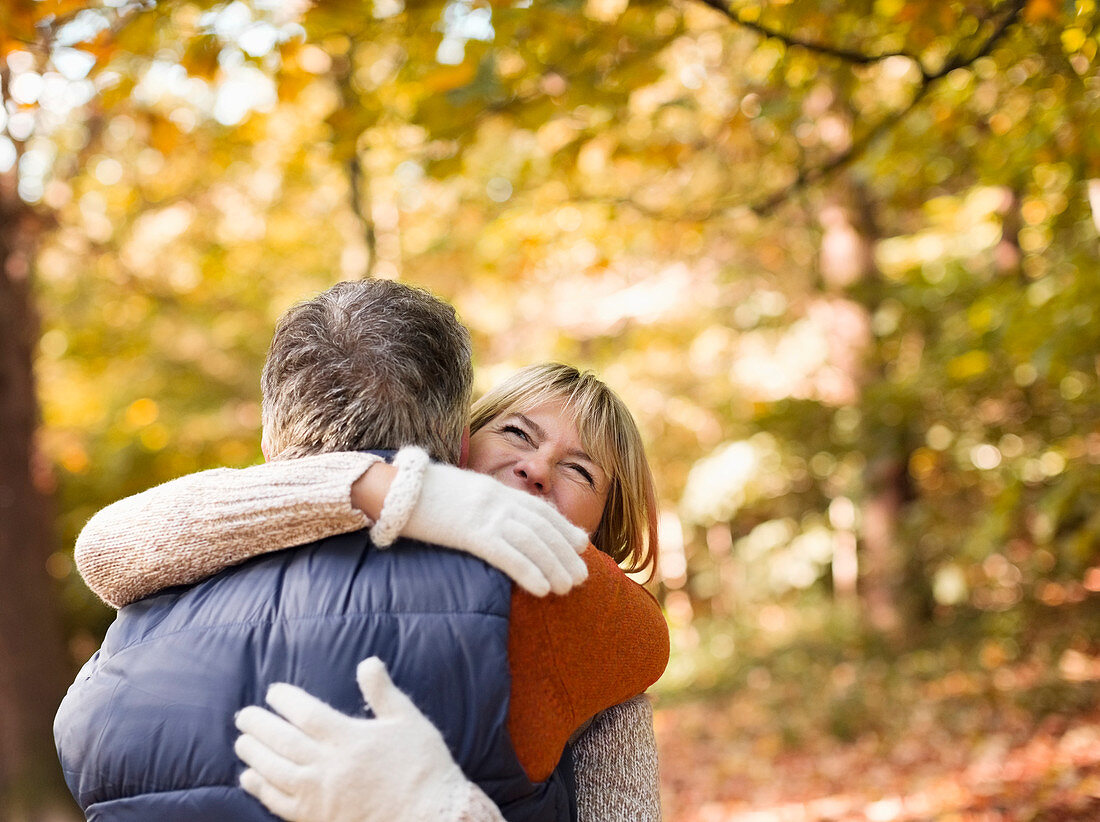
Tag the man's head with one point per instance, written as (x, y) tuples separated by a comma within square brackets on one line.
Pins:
[(367, 365)]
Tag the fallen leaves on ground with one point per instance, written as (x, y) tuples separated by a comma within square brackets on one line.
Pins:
[(974, 758)]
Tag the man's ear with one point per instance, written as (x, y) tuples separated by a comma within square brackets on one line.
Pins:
[(464, 451), (265, 446)]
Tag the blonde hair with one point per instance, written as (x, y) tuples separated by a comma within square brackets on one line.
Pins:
[(628, 528)]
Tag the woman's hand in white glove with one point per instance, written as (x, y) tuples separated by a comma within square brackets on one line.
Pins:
[(315, 764), (515, 532)]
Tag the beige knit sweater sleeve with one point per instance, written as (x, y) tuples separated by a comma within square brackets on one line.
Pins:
[(193, 527), (615, 766)]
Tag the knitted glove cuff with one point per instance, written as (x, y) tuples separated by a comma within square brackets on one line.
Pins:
[(473, 806), (402, 495)]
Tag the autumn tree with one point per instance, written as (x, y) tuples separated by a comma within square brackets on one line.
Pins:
[(32, 658)]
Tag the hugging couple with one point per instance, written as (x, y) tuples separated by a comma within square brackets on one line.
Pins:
[(428, 596)]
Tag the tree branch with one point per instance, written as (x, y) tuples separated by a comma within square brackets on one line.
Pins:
[(50, 27), (357, 186), (358, 182), (846, 55), (961, 61), (515, 101), (815, 174), (929, 78), (862, 58)]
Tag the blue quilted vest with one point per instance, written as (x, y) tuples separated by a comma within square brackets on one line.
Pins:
[(146, 730)]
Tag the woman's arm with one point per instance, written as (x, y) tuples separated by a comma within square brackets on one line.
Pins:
[(615, 764), (191, 528)]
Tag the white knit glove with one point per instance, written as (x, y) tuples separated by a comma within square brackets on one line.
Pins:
[(515, 532), (319, 765)]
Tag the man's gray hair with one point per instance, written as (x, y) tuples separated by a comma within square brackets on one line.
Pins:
[(367, 365)]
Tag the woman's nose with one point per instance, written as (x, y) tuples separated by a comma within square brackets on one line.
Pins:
[(534, 473)]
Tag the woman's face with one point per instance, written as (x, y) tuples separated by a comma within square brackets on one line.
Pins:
[(539, 451)]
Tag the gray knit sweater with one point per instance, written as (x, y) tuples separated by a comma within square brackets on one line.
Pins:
[(190, 528)]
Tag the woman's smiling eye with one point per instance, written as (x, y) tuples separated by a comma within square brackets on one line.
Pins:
[(515, 431), (584, 472)]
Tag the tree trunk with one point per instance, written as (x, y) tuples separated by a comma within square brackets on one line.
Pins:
[(847, 263), (33, 666), (882, 554)]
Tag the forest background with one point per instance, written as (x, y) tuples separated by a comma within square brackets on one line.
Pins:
[(840, 258)]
